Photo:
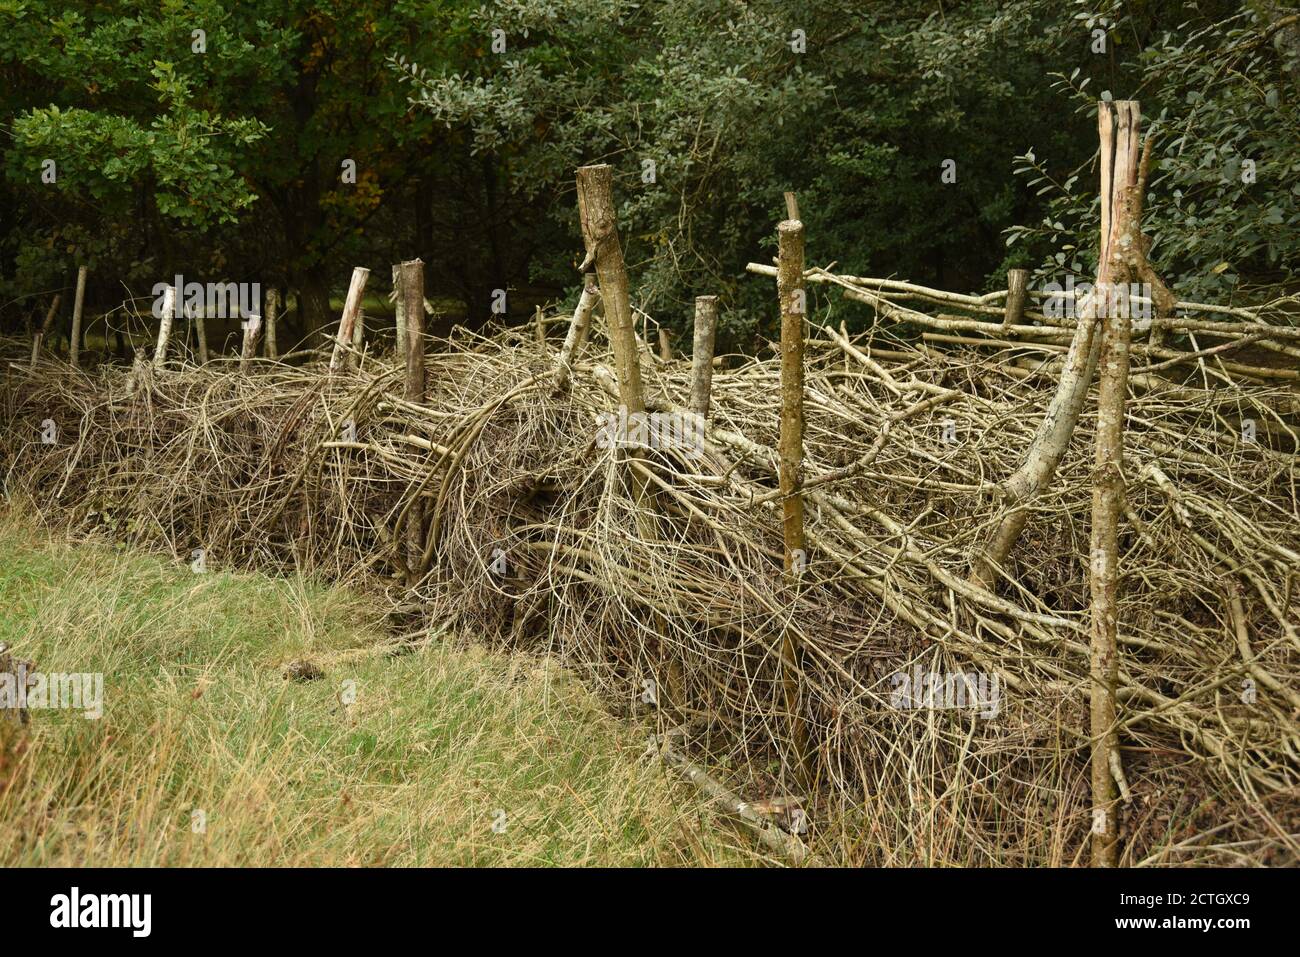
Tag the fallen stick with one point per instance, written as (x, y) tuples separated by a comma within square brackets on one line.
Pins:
[(770, 835)]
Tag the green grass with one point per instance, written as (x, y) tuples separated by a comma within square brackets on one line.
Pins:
[(198, 716)]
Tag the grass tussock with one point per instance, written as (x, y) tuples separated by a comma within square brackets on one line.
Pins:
[(384, 755)]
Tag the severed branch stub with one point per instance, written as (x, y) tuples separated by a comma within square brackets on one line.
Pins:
[(1017, 288), (165, 327), (252, 326), (706, 331)]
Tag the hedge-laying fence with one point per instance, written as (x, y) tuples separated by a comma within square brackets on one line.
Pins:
[(858, 513)]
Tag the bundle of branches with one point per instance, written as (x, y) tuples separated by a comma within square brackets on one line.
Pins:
[(659, 572)]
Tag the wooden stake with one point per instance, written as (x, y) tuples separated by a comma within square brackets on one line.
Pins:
[(201, 331), (706, 330), (790, 291), (348, 321), (1108, 481), (411, 289), (165, 327), (251, 326), (74, 344), (600, 235), (665, 347), (1017, 288), (791, 207), (46, 326), (272, 307)]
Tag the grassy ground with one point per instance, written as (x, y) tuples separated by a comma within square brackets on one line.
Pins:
[(207, 754)]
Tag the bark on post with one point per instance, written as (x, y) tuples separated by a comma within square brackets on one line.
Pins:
[(74, 344), (1017, 287), (576, 337), (272, 307), (46, 326), (790, 291), (600, 235), (165, 327), (348, 321), (411, 291), (706, 330)]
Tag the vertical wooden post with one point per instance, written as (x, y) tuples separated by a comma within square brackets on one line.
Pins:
[(251, 326), (272, 307), (791, 207), (348, 321), (46, 326), (412, 287), (165, 327), (706, 330), (1119, 174), (600, 235), (1017, 288), (74, 344), (411, 290), (201, 331), (576, 337), (790, 291), (665, 347), (399, 313)]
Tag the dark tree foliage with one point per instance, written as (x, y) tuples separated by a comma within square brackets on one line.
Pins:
[(942, 143)]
